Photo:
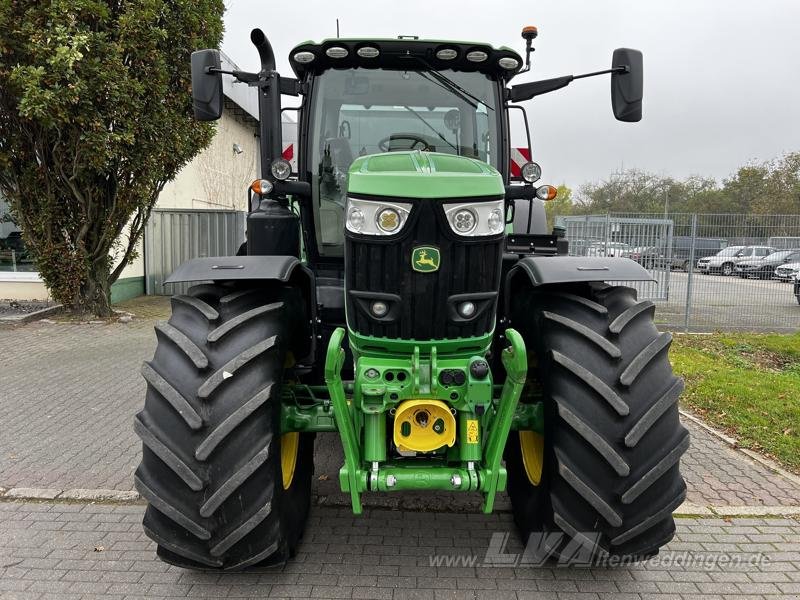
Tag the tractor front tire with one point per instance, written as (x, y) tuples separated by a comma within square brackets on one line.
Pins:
[(218, 494), (612, 441)]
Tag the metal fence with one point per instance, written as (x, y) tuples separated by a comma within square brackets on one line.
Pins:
[(710, 271), (670, 246), (174, 236)]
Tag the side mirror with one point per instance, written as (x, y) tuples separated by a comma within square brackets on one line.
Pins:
[(206, 85), (627, 87)]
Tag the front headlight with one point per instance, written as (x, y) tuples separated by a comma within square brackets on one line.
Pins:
[(476, 218), (370, 217)]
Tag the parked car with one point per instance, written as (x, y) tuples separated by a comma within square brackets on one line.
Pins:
[(725, 262), (682, 249), (764, 268), (787, 272), (616, 249), (648, 256)]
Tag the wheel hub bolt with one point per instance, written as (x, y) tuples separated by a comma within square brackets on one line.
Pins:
[(455, 480), (391, 481)]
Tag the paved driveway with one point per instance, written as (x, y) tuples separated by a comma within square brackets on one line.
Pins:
[(68, 393)]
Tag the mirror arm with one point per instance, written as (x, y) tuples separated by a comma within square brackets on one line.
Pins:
[(526, 91), (242, 76), (290, 86), (619, 69)]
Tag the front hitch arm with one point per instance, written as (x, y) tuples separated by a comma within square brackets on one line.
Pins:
[(350, 472), (515, 361)]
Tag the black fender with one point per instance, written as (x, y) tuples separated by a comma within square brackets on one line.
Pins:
[(236, 268), (286, 269), (544, 270)]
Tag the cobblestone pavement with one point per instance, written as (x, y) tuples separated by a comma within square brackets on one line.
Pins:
[(718, 475), (71, 551), (68, 393)]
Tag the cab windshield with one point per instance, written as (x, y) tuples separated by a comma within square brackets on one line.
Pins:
[(365, 111)]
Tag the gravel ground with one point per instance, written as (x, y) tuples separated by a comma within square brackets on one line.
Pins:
[(12, 308)]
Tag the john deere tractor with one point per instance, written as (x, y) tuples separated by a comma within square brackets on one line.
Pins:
[(402, 288)]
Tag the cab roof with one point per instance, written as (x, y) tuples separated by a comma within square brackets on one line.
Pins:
[(405, 53)]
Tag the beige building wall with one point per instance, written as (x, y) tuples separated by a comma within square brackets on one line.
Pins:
[(136, 267), (218, 177)]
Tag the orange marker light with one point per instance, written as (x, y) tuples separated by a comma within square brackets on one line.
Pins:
[(546, 192), (261, 186)]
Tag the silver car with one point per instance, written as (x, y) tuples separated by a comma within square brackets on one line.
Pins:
[(724, 262), (788, 271)]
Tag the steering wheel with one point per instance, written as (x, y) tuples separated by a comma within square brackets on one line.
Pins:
[(415, 139)]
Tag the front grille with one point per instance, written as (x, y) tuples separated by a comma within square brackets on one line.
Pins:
[(377, 265)]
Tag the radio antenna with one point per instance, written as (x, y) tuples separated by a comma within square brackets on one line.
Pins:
[(337, 27)]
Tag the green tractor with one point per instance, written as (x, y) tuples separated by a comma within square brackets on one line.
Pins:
[(401, 289)]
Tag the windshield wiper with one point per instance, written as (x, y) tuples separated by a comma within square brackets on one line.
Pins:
[(452, 86), (455, 88), (448, 84), (431, 127), (446, 87)]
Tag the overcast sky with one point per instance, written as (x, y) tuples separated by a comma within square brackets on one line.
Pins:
[(722, 77)]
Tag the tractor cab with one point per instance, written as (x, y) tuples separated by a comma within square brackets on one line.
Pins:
[(387, 95)]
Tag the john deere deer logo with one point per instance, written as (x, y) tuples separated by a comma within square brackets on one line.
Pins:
[(425, 259)]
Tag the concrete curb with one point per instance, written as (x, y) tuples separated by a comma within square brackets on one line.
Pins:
[(733, 443), (34, 316), (688, 508), (83, 495), (756, 511)]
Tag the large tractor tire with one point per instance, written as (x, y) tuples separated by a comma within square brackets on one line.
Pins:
[(224, 489), (605, 472)]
